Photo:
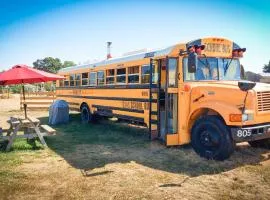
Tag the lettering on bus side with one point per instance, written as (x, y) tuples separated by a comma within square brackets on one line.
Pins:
[(135, 105), (77, 92), (214, 47)]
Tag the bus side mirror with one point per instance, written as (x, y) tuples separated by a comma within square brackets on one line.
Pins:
[(246, 85), (192, 62)]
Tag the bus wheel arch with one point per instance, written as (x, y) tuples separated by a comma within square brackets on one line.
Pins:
[(200, 113), (210, 136), (86, 115)]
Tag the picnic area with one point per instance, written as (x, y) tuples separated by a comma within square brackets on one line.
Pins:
[(115, 160)]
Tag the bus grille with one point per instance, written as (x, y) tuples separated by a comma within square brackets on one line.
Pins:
[(263, 101)]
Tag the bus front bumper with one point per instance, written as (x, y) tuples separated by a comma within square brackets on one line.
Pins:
[(251, 133)]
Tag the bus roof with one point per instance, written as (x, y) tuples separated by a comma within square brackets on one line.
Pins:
[(137, 56)]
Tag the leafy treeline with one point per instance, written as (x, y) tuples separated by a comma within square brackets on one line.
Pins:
[(266, 68), (52, 65)]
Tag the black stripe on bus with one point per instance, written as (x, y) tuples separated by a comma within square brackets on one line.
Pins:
[(117, 108), (109, 98), (154, 113), (135, 86), (154, 121), (126, 117)]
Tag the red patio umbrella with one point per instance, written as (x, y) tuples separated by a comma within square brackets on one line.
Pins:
[(21, 74)]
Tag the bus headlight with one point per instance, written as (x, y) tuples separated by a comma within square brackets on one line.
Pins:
[(244, 117)]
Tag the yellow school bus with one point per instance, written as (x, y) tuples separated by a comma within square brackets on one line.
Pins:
[(186, 93)]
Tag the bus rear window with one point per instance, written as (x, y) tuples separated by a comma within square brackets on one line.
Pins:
[(121, 75)]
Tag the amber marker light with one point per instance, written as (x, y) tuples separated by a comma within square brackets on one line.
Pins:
[(235, 117), (187, 87)]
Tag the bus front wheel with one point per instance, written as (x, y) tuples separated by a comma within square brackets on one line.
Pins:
[(211, 138)]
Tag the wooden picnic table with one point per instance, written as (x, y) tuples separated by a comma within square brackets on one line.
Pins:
[(31, 128)]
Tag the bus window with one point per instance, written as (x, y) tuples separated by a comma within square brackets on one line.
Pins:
[(100, 78), (61, 83), (133, 74), (121, 75), (78, 80), (172, 72), (72, 80), (66, 81), (110, 76), (93, 79), (146, 74), (84, 78)]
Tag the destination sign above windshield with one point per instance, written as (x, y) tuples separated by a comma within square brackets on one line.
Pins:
[(217, 47)]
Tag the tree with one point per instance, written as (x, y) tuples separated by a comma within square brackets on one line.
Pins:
[(48, 64), (68, 64), (266, 68)]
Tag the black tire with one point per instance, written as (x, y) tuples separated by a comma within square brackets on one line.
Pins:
[(86, 115), (211, 139), (265, 143)]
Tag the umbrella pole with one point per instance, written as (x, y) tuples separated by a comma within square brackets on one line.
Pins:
[(24, 104)]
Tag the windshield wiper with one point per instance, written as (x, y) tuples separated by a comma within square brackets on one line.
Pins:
[(228, 65)]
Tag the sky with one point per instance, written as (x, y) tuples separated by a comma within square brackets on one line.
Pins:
[(78, 30)]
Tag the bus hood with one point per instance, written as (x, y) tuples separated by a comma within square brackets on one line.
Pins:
[(260, 87)]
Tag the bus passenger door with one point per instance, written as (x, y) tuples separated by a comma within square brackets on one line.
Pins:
[(171, 101)]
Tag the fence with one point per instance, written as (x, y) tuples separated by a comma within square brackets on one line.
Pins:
[(37, 100)]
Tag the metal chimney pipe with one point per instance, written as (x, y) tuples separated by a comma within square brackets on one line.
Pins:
[(109, 50)]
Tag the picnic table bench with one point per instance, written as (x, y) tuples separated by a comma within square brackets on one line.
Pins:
[(31, 128)]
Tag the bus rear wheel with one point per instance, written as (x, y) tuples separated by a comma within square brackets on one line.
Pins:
[(265, 143), (211, 138), (86, 115)]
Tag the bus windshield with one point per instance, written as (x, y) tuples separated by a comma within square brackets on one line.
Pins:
[(214, 69)]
